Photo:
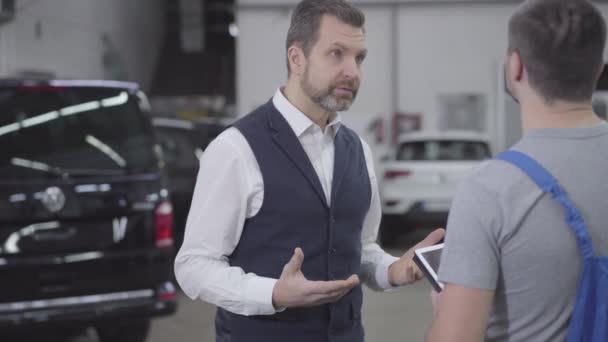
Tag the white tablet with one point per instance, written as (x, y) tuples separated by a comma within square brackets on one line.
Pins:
[(428, 259)]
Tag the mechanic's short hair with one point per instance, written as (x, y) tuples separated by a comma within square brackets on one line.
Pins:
[(561, 44)]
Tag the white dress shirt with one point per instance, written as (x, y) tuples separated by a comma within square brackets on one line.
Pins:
[(230, 189)]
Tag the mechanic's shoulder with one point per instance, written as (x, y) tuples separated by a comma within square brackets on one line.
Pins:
[(495, 176)]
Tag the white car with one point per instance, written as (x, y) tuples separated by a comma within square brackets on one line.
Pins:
[(420, 178)]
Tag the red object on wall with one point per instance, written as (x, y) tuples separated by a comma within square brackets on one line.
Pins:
[(405, 123), (376, 127)]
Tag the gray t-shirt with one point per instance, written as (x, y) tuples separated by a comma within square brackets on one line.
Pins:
[(504, 234)]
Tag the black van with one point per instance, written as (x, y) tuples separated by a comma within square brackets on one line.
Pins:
[(183, 143), (86, 225)]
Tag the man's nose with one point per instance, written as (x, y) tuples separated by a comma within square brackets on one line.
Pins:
[(351, 69)]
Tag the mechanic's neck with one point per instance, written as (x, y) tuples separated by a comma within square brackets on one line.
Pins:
[(537, 114), (297, 97)]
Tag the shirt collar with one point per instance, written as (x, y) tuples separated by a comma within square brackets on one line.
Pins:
[(297, 120)]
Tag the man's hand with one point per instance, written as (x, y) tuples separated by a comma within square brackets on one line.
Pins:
[(293, 289), (404, 271)]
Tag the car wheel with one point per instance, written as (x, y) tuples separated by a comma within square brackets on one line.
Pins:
[(127, 331)]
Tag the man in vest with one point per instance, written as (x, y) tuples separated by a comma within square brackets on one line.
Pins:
[(285, 213), (516, 247)]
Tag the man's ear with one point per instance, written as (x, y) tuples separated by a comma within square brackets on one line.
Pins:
[(516, 66), (297, 60)]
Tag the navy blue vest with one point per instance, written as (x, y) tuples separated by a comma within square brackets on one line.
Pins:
[(294, 214)]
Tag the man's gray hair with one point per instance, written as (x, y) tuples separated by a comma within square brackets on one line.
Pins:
[(306, 21)]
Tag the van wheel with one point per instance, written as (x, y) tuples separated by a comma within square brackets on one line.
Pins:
[(127, 331)]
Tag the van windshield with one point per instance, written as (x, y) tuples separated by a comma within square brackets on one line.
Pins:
[(73, 131)]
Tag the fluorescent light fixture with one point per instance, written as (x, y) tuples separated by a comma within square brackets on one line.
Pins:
[(11, 246), (9, 128), (107, 150), (79, 108), (122, 98), (14, 198), (153, 197), (233, 29), (143, 100), (118, 100), (30, 164), (172, 123), (198, 152), (39, 119), (82, 257), (86, 188), (93, 83)]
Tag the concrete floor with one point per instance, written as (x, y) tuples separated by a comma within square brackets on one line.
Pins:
[(403, 315)]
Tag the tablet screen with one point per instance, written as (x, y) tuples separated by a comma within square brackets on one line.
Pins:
[(428, 261)]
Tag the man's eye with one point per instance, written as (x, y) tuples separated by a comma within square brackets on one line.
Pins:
[(336, 53)]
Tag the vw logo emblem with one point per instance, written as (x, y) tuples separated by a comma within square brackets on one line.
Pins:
[(53, 199)]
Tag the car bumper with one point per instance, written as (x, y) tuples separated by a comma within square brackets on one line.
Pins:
[(87, 309)]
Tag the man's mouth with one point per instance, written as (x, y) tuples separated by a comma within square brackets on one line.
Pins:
[(345, 90)]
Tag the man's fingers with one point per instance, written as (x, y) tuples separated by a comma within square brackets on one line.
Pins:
[(354, 280), (327, 287), (323, 292), (432, 239), (295, 263), (327, 298), (338, 294), (414, 273)]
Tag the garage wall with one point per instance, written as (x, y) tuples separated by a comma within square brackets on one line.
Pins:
[(65, 37), (438, 48)]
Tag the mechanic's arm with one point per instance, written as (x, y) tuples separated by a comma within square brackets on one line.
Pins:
[(461, 315), (470, 265)]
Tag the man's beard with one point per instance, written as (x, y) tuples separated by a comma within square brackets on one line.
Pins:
[(325, 97)]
